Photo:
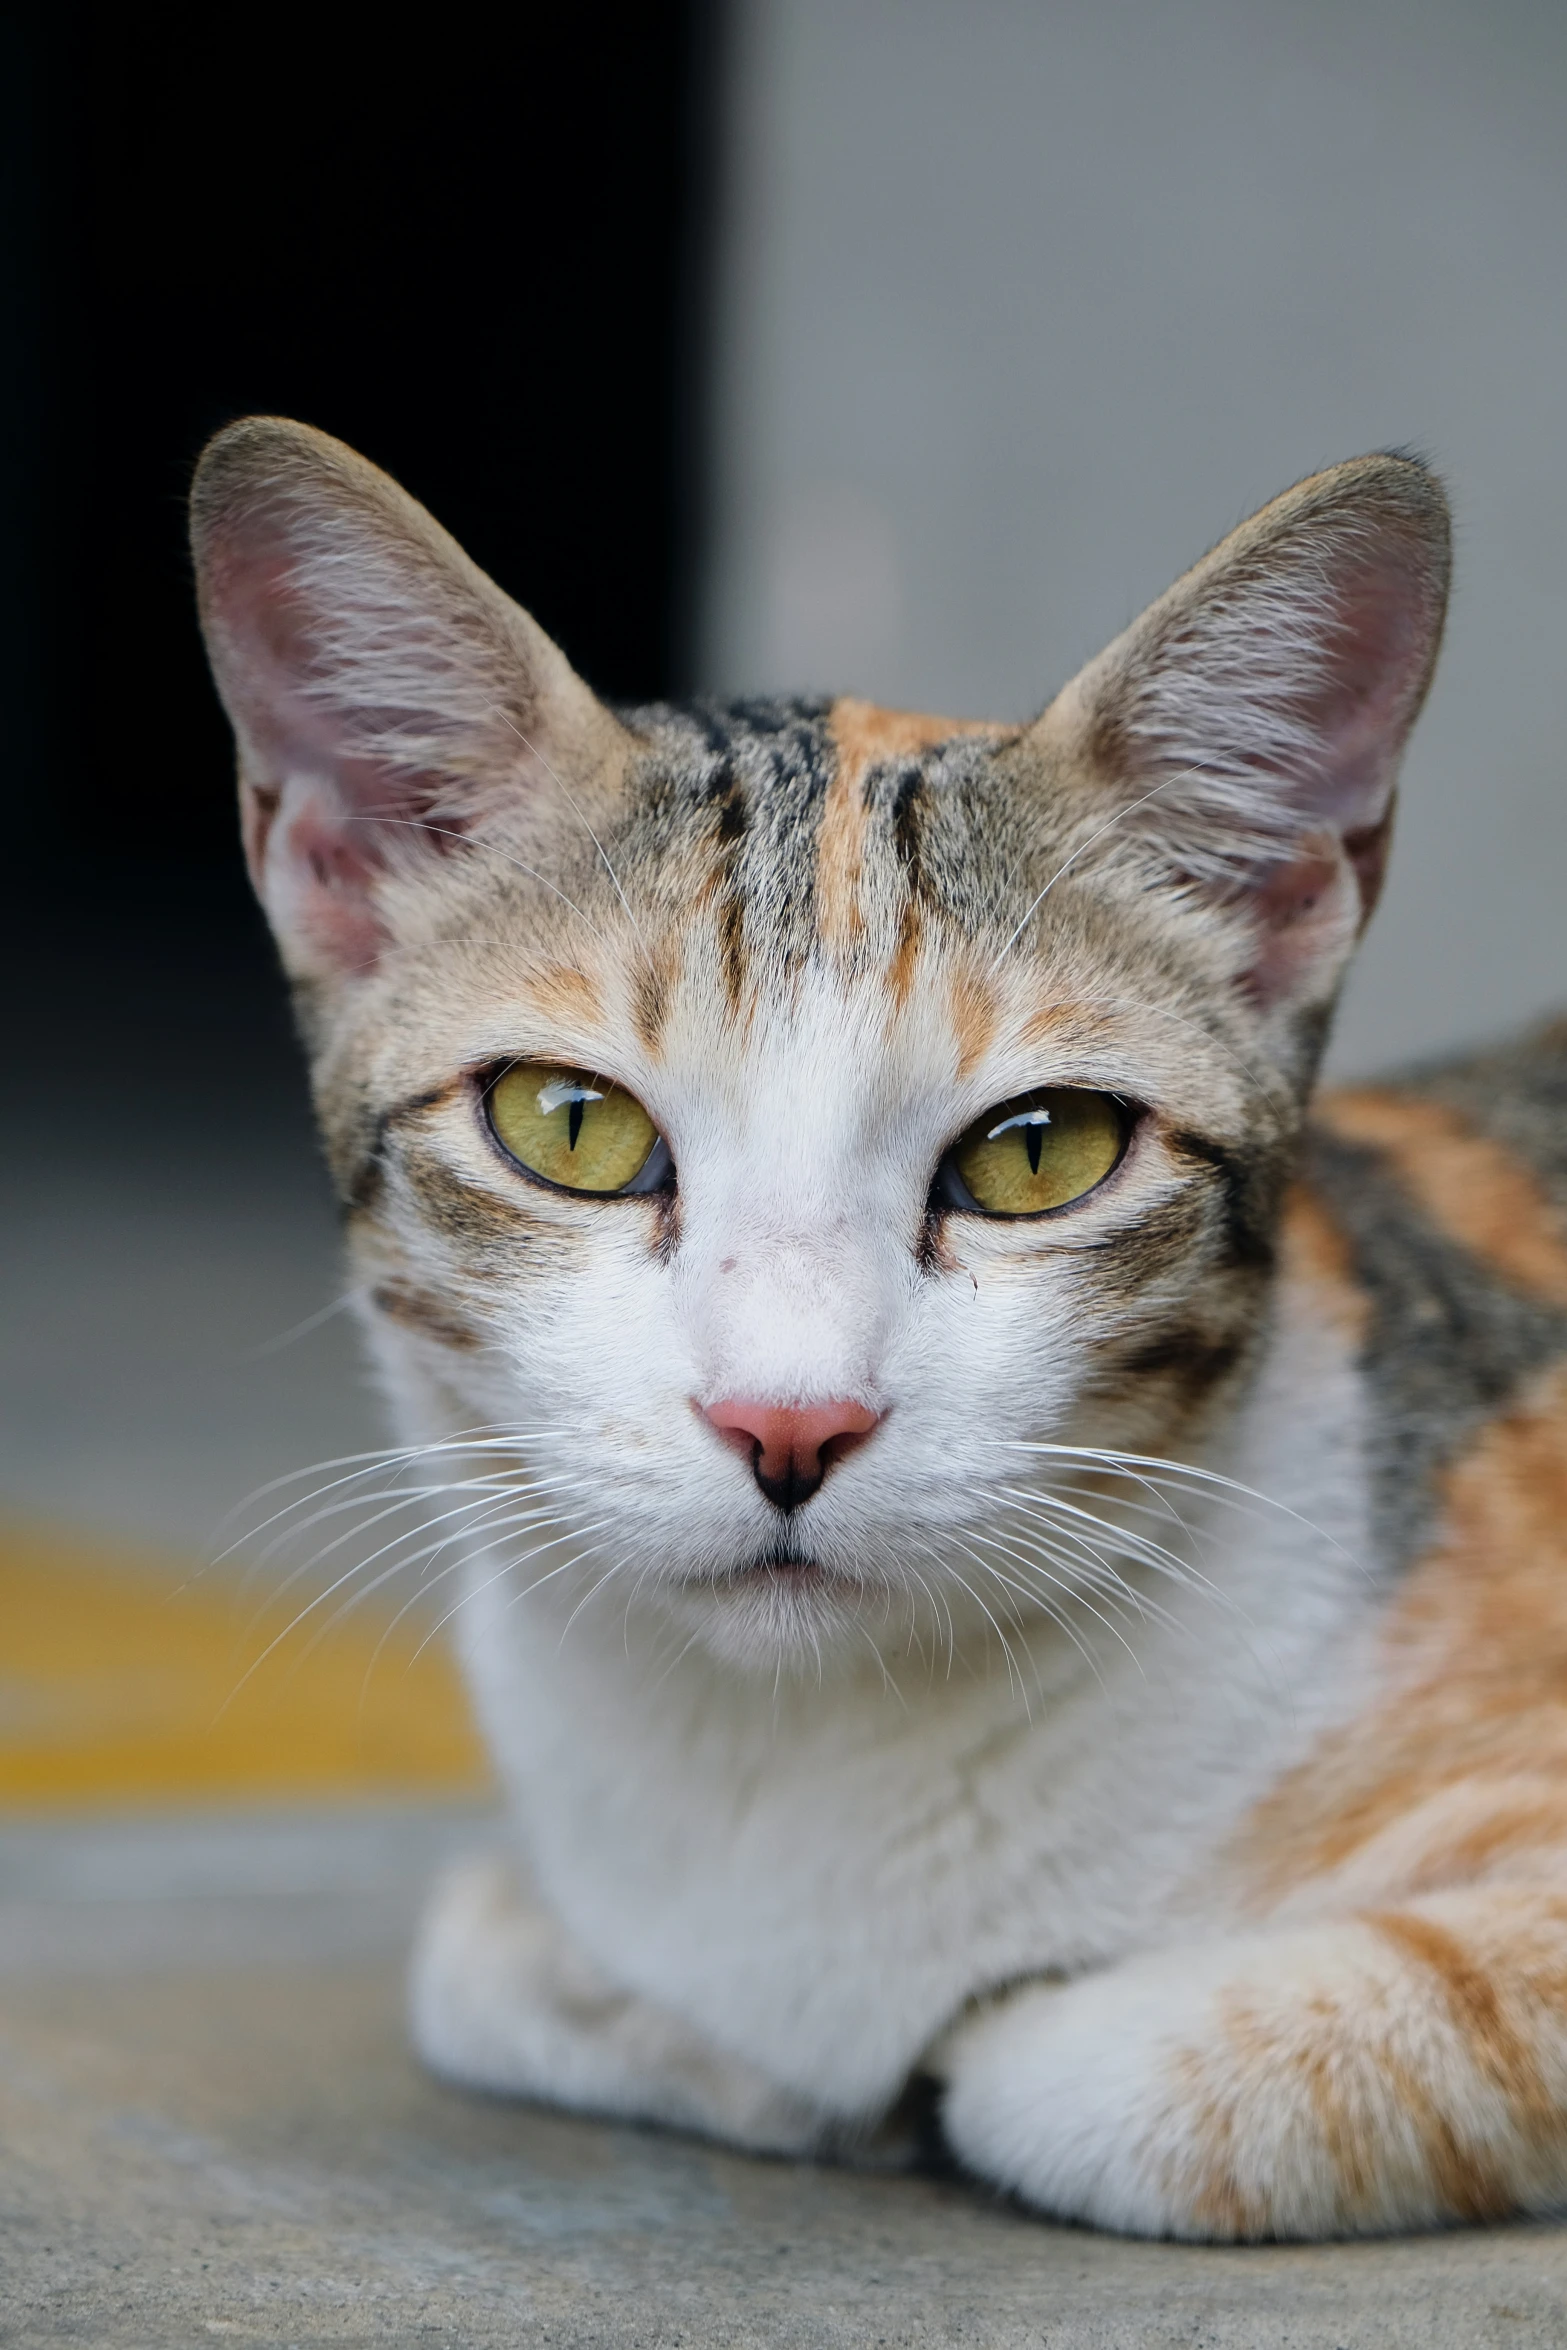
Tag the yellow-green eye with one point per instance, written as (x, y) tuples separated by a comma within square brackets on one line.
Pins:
[(1039, 1151), (575, 1130)]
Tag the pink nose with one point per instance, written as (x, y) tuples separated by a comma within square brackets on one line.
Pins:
[(791, 1447)]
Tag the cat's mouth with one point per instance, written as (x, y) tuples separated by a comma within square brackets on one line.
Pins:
[(781, 1560), (783, 1567)]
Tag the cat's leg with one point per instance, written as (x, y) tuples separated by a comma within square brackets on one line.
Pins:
[(1392, 2070), (502, 1999)]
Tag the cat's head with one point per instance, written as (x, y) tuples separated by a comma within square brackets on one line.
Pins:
[(781, 1115)]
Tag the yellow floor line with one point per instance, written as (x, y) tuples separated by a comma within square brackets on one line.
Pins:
[(123, 1682)]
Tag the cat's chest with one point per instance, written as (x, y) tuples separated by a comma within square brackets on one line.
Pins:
[(822, 1885)]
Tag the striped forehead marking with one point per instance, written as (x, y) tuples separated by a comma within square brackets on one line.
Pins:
[(866, 737), (726, 822)]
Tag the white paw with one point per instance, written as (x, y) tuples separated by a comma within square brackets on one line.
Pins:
[(1224, 2092), (1044, 2091), (501, 1999), (477, 1995)]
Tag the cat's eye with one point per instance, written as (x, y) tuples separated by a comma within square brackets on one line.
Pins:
[(575, 1130), (1039, 1151)]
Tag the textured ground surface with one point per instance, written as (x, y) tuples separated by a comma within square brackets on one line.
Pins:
[(212, 2131)]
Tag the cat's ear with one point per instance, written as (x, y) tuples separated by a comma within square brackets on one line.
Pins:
[(1242, 739), (387, 699)]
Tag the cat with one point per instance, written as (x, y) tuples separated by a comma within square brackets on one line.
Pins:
[(999, 1562)]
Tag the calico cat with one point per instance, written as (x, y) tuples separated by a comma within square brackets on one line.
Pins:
[(993, 1551)]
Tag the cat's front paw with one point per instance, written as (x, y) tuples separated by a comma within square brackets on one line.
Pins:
[(502, 1999), (481, 1984), (1051, 2094), (1337, 2080)]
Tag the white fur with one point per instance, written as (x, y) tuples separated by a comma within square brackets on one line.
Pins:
[(501, 1998), (812, 1869)]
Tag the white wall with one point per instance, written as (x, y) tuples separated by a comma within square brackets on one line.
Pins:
[(1024, 302)]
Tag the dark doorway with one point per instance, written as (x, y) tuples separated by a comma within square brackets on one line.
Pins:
[(475, 254)]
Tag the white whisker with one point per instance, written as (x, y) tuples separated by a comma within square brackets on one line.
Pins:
[(1072, 1591), (1158, 1467), (1168, 783)]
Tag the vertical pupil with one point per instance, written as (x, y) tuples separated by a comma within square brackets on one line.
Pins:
[(1034, 1136), (574, 1120)]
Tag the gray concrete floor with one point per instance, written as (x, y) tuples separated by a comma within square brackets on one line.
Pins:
[(213, 2131)]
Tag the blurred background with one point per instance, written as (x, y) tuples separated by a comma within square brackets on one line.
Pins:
[(753, 344)]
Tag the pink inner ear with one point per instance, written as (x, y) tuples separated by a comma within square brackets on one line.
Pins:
[(1309, 910), (316, 882), (321, 851), (1312, 905), (1374, 665), (322, 819), (282, 688)]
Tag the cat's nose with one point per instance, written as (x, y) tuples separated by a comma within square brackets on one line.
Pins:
[(791, 1447)]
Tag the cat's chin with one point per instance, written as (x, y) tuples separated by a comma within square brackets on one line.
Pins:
[(781, 1613), (802, 1618)]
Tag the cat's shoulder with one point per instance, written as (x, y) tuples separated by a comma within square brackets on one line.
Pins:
[(1431, 1213)]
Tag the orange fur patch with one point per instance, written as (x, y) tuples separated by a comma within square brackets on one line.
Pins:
[(1466, 1183), (1471, 1998), (1503, 1984), (973, 1019), (565, 992), (905, 961), (1314, 1253), (865, 736), (1460, 1774), (1470, 2018)]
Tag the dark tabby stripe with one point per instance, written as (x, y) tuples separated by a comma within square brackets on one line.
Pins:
[(1449, 1344), (1517, 1096), (429, 1316), (1250, 1186), (734, 797)]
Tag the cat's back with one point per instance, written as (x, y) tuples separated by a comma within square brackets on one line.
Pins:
[(1445, 1196), (1432, 1215), (1478, 1143)]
